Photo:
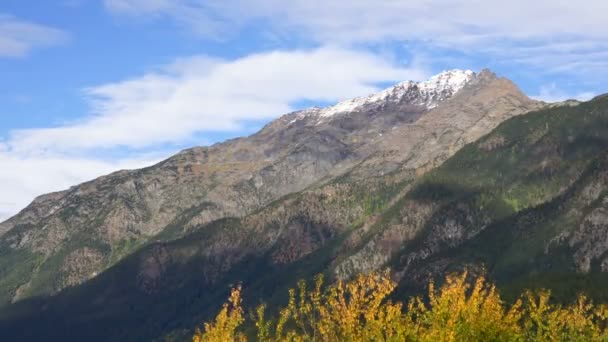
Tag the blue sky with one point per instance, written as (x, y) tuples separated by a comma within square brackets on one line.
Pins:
[(91, 86)]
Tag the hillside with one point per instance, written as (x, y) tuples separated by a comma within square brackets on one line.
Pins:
[(527, 203), (65, 238)]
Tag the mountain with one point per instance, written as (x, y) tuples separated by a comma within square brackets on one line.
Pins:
[(65, 238), (319, 190)]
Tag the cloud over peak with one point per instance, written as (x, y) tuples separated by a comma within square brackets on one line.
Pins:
[(202, 94)]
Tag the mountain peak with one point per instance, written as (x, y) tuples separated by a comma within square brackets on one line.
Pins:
[(453, 80), (427, 94)]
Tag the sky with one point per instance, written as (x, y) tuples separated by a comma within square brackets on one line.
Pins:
[(88, 87)]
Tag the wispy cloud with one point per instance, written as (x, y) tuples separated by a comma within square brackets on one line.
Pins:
[(18, 37), (556, 36)]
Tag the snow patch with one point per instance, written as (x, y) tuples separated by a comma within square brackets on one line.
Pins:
[(425, 94), (428, 93)]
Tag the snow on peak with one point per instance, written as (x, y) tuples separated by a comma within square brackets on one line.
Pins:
[(452, 81), (428, 93)]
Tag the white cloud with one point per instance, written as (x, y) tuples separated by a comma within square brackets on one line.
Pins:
[(201, 94), (23, 178), (528, 32), (551, 93), (18, 37)]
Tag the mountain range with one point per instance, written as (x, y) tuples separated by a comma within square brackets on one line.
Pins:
[(424, 178)]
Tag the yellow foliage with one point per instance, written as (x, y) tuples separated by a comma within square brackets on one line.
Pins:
[(353, 311), (227, 321), (461, 312), (359, 310)]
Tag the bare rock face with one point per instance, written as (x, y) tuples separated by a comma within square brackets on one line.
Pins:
[(152, 268), (590, 240), (411, 127), (80, 264)]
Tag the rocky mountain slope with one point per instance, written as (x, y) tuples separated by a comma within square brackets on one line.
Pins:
[(64, 238), (320, 190), (527, 203)]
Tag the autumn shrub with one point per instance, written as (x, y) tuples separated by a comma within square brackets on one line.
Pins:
[(360, 310), (226, 324)]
